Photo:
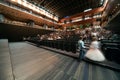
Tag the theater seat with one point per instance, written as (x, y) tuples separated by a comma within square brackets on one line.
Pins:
[(113, 54)]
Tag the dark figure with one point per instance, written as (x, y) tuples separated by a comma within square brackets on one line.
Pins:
[(81, 48)]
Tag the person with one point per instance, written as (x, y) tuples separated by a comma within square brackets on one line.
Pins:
[(38, 37), (94, 53), (81, 48)]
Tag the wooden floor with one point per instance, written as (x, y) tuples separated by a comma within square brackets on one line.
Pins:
[(34, 63), (5, 61)]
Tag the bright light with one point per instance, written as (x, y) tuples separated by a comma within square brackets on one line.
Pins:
[(87, 9), (13, 0)]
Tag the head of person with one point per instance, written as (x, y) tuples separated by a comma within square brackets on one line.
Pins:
[(81, 38), (94, 39)]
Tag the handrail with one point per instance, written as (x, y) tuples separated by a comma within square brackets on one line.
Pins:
[(22, 24), (35, 8), (79, 22)]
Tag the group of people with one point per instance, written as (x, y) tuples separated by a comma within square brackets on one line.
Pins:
[(93, 53), (87, 35), (92, 37)]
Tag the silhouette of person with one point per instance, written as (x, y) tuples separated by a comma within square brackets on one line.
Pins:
[(81, 48)]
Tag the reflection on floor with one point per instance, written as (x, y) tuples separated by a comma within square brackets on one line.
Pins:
[(107, 64), (33, 63)]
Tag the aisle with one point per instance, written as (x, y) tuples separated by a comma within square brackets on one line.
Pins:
[(34, 63)]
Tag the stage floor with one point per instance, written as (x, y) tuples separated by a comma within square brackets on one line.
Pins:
[(34, 63)]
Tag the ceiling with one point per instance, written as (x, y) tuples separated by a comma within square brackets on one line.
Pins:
[(65, 8)]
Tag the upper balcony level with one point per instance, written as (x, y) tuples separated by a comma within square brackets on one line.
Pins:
[(33, 8), (23, 15), (24, 11)]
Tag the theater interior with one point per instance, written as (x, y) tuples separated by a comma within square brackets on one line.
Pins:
[(39, 39)]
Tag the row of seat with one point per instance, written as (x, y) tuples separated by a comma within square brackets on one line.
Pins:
[(66, 45), (111, 49)]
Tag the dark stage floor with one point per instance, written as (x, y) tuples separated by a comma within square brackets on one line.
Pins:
[(29, 62)]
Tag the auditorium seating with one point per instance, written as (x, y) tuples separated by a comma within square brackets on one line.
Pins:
[(111, 49), (62, 44)]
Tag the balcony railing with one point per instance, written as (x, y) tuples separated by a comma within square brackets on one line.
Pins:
[(23, 24), (24, 10), (34, 8)]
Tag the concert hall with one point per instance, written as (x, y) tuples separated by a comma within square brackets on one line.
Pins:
[(59, 39)]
